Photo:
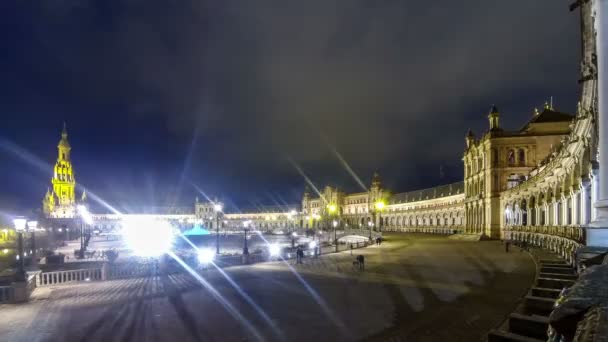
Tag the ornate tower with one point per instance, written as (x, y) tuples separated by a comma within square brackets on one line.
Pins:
[(493, 117), (375, 191), (306, 200), (60, 203)]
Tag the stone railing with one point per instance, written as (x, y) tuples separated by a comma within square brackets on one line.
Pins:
[(6, 294), (569, 232), (18, 291), (563, 241), (425, 229), (69, 276)]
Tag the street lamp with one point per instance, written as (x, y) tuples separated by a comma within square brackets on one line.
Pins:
[(85, 217), (19, 224), (217, 207), (335, 223), (379, 205), (245, 248), (32, 225), (371, 225)]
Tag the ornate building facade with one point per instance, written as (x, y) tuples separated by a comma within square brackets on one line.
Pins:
[(60, 201), (535, 184)]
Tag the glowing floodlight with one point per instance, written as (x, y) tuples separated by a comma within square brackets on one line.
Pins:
[(85, 214), (274, 250), (217, 207), (206, 256), (19, 224), (312, 244), (147, 237), (294, 234)]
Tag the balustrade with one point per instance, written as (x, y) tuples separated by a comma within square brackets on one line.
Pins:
[(69, 276)]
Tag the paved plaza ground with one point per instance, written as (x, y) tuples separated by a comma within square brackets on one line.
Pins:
[(414, 288)]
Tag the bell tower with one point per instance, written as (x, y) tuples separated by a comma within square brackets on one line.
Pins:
[(60, 202)]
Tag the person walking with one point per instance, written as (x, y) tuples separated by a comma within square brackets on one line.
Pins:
[(299, 255), (361, 260), (507, 243)]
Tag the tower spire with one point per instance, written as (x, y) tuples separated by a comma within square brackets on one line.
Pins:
[(493, 118), (64, 133)]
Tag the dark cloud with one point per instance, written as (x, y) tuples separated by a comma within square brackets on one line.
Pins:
[(392, 85)]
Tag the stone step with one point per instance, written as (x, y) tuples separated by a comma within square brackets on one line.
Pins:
[(538, 305), (533, 326), (558, 276), (505, 336), (558, 270), (545, 292), (556, 265), (553, 261), (553, 283)]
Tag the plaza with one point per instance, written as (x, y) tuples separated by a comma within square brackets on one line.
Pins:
[(415, 286), (293, 197)]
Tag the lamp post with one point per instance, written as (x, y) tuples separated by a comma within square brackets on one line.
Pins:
[(379, 205), (333, 209), (335, 223), (371, 225), (245, 248), (85, 218), (293, 239), (218, 209), (32, 225), (20, 224)]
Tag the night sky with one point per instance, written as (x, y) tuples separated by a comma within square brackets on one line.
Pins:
[(160, 96)]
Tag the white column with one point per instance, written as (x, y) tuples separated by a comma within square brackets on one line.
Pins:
[(595, 188), (565, 210), (585, 203), (597, 233), (576, 208), (556, 212)]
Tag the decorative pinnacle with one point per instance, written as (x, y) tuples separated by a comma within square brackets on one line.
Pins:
[(64, 133)]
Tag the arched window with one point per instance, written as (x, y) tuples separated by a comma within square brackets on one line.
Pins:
[(521, 157), (511, 157), (494, 157)]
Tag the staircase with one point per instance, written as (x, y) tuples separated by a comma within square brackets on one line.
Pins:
[(530, 321)]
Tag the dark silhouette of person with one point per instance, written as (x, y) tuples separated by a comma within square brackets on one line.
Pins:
[(361, 260)]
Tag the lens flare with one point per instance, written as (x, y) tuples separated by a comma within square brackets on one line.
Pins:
[(274, 250), (206, 256), (146, 236)]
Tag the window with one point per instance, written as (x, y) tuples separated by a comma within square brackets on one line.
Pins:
[(521, 158), (511, 157), (494, 157)]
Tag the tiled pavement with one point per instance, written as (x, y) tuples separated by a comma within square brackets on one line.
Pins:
[(414, 288)]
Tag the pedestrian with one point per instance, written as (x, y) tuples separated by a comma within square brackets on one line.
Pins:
[(351, 248), (507, 243), (361, 260), (299, 255)]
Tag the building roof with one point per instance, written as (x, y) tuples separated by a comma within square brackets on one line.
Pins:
[(548, 115), (267, 209), (426, 194)]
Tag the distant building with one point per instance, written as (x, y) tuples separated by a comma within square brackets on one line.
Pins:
[(60, 202)]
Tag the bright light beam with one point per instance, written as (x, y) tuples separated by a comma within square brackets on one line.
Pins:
[(33, 160), (301, 172), (231, 309), (348, 168), (320, 301), (243, 294)]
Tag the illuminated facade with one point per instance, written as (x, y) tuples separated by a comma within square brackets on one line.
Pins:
[(535, 184), (60, 202)]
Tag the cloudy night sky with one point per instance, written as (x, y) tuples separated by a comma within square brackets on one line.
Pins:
[(160, 96)]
